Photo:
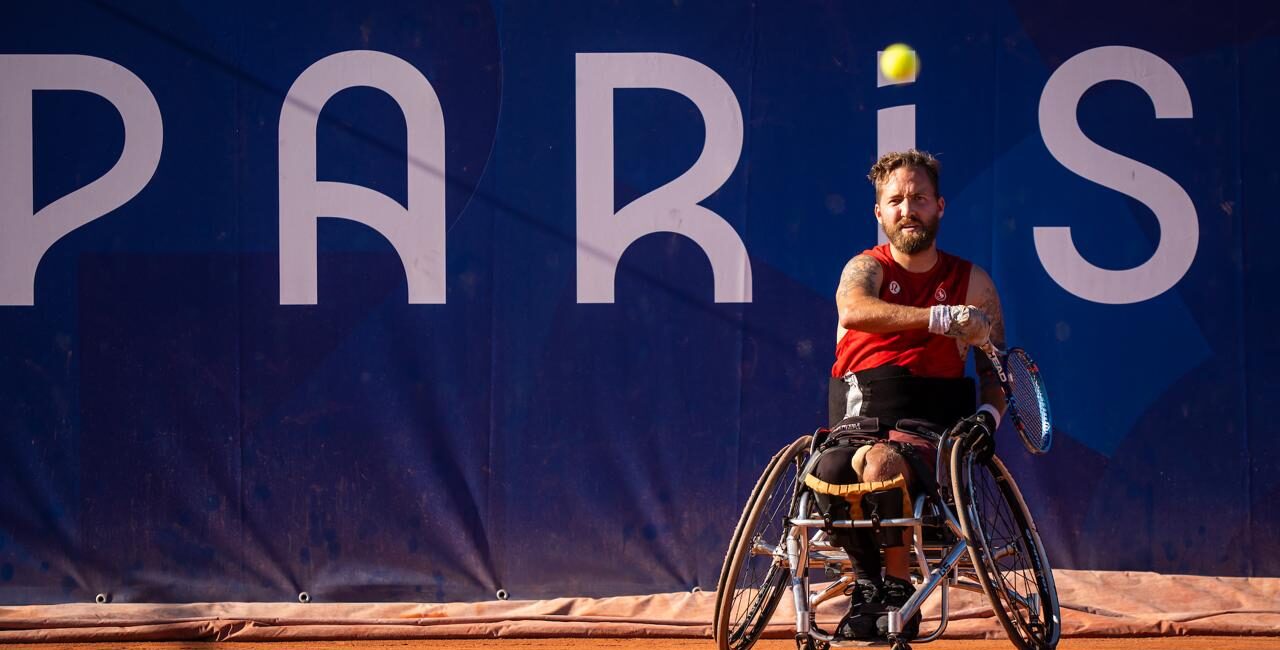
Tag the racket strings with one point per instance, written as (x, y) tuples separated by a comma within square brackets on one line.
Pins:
[(1029, 398)]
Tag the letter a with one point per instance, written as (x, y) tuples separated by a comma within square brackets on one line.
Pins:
[(603, 235), (417, 232), (26, 235)]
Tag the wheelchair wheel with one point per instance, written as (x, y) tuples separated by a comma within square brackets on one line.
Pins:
[(1006, 551), (753, 578)]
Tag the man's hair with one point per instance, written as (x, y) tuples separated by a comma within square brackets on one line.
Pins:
[(891, 161)]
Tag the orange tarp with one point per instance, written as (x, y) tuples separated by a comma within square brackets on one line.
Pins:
[(1094, 603)]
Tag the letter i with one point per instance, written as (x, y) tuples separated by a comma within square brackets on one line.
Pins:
[(895, 125)]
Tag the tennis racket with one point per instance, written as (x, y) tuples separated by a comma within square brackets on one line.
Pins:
[(1027, 399)]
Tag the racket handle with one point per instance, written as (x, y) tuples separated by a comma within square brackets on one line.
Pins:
[(994, 355)]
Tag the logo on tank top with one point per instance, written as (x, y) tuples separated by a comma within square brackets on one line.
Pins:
[(895, 288), (940, 295)]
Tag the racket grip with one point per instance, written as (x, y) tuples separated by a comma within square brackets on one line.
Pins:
[(994, 355)]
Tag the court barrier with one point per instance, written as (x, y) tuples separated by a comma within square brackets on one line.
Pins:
[(1094, 604)]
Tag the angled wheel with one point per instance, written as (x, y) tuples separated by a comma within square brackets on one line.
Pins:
[(1006, 551), (755, 572)]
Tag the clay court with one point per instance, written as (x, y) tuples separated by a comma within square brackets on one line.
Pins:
[(1148, 643), (1100, 610)]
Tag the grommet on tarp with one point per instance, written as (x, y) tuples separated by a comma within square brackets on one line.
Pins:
[(696, 589), (502, 594), (102, 598), (304, 597)]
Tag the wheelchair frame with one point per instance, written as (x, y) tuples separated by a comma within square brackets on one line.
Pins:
[(970, 554)]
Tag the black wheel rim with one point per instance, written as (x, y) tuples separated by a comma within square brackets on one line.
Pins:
[(1011, 556), (761, 576)]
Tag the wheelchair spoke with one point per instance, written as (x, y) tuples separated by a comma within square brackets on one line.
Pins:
[(756, 568), (1009, 558)]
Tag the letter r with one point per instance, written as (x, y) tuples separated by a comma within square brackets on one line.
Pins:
[(603, 236)]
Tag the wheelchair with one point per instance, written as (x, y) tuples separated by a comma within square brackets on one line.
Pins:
[(974, 534)]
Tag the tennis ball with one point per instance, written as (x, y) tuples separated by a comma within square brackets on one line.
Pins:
[(899, 62)]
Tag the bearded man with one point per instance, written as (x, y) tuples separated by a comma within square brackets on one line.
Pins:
[(908, 314)]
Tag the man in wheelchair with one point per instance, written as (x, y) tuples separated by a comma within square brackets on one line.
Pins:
[(908, 314), (834, 501)]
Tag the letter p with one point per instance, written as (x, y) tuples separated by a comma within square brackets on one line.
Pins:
[(26, 235)]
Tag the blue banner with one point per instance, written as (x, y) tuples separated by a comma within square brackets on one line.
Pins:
[(420, 301)]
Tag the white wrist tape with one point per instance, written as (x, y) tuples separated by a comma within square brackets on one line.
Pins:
[(939, 319), (995, 412)]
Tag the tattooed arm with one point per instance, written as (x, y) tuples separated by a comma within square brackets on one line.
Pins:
[(858, 301), (982, 294)]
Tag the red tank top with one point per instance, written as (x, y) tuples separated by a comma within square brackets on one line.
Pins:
[(924, 354)]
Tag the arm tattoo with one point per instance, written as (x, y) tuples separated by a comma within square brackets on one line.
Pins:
[(989, 302), (863, 273)]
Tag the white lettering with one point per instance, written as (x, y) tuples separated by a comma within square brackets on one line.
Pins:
[(26, 235), (895, 131), (603, 236), (416, 231), (895, 127), (1176, 215)]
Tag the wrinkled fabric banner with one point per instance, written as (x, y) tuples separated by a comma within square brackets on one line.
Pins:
[(426, 301)]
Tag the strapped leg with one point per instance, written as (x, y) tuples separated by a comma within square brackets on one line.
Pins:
[(834, 478), (835, 467)]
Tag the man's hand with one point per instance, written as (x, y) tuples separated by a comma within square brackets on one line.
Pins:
[(978, 430), (964, 322)]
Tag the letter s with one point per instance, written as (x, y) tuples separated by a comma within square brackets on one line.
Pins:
[(1179, 228)]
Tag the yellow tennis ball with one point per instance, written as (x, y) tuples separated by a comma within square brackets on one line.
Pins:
[(899, 62)]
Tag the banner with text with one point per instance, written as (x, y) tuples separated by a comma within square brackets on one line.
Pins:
[(421, 301)]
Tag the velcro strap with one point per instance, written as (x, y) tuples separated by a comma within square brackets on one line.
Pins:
[(853, 492), (850, 490), (856, 424)]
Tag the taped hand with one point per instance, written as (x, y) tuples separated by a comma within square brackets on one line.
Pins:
[(964, 322)]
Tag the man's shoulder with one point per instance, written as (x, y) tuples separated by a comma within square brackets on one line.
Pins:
[(953, 258), (961, 263), (864, 263), (879, 253), (979, 280)]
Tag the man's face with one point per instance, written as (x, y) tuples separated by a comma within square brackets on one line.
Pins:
[(909, 209)]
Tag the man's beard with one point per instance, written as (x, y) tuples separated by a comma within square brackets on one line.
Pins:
[(912, 242)]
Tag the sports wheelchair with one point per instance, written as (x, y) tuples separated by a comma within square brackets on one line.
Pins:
[(975, 534)]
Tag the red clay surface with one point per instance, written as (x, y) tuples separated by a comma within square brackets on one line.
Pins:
[(1143, 643)]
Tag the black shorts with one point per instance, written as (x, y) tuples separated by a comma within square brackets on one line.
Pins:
[(892, 393)]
